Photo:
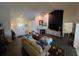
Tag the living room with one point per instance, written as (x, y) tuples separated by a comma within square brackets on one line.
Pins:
[(33, 19)]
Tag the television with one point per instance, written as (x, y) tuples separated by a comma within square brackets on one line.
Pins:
[(56, 20)]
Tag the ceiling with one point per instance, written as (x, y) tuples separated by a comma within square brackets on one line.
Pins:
[(40, 5), (64, 4), (31, 9)]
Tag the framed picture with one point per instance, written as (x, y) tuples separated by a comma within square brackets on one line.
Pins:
[(44, 24), (41, 22)]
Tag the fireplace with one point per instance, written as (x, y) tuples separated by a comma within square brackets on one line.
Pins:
[(42, 31)]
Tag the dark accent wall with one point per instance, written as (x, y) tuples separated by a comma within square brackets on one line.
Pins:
[(56, 20)]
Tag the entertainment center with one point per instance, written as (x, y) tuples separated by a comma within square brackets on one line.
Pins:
[(55, 22)]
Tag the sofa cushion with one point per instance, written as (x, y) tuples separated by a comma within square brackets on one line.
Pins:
[(31, 47)]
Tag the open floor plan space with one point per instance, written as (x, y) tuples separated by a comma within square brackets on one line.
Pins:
[(39, 28)]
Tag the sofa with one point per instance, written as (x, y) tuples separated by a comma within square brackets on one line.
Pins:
[(31, 47)]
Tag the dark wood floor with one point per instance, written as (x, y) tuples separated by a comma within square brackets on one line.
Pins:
[(14, 49), (64, 43)]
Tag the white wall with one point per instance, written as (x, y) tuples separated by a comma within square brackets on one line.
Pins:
[(45, 20), (29, 11), (77, 15), (69, 14), (22, 16), (5, 20), (21, 25), (34, 26), (69, 19), (67, 27)]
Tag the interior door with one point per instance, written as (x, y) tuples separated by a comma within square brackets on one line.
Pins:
[(76, 39)]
